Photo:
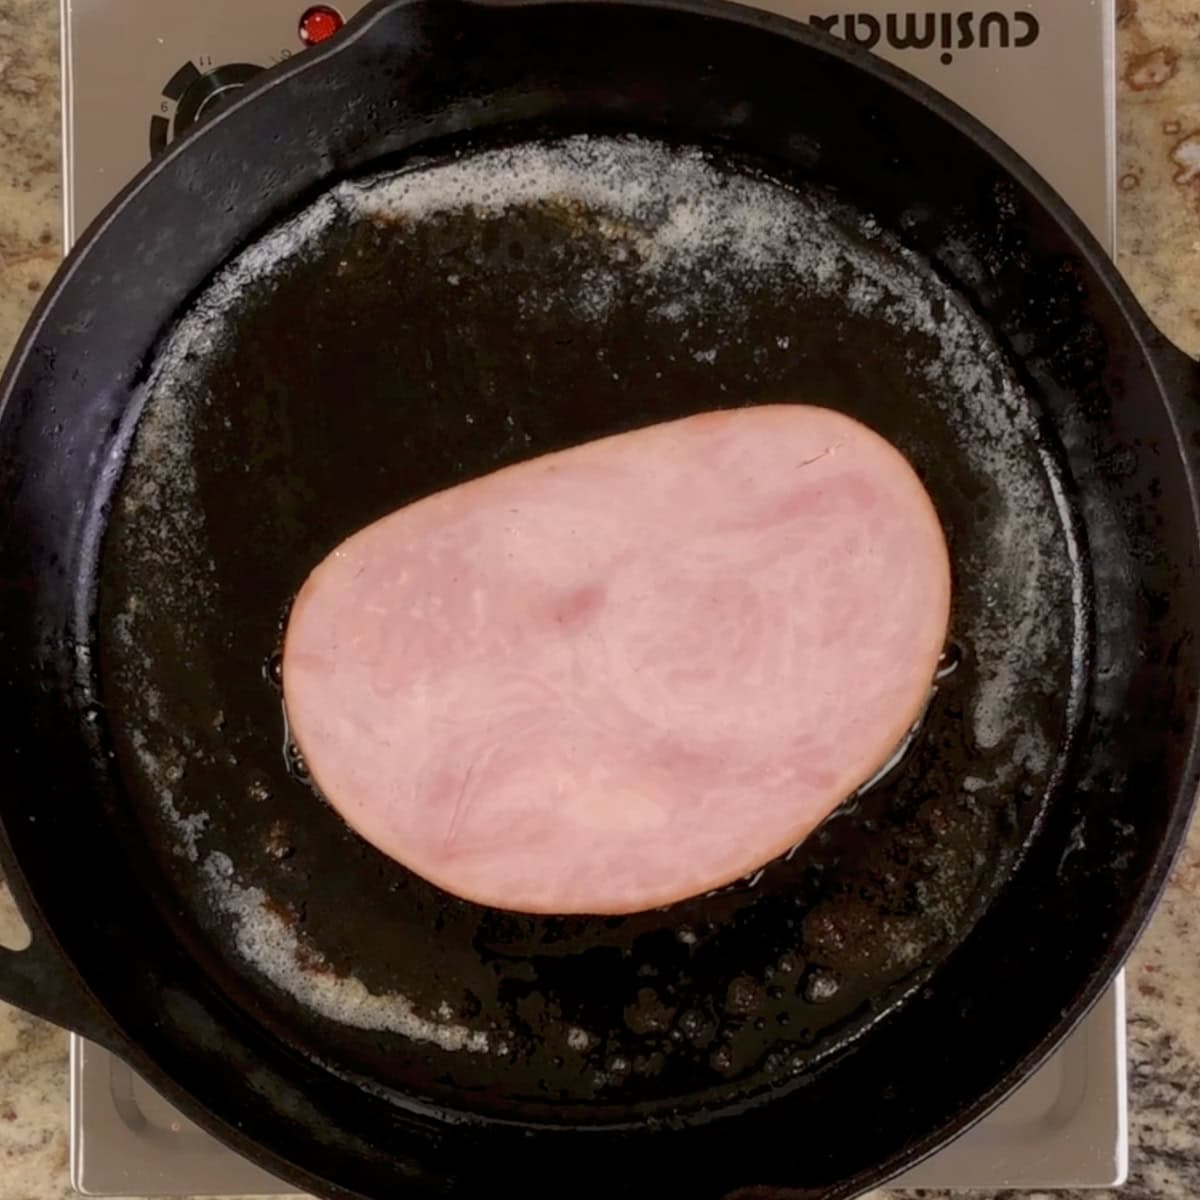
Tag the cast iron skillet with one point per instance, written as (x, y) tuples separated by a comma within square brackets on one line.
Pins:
[(807, 1033)]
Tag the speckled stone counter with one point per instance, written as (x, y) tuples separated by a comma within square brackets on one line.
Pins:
[(1159, 253)]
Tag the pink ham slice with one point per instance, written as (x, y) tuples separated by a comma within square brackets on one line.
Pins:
[(620, 675)]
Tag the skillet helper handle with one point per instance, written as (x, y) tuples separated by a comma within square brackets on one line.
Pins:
[(39, 981)]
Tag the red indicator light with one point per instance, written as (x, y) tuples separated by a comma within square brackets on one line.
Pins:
[(319, 23)]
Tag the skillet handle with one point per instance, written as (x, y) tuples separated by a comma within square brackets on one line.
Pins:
[(39, 981)]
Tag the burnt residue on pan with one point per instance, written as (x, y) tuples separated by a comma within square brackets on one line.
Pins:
[(410, 332)]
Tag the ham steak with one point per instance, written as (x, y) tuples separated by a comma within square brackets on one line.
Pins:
[(627, 673)]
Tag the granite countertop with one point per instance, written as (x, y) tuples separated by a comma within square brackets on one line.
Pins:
[(1159, 253)]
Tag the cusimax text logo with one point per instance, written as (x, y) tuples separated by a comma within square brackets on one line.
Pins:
[(948, 31)]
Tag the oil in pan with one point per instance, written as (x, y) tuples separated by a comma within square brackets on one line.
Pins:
[(413, 330)]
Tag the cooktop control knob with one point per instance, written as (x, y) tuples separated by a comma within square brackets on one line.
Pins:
[(195, 94)]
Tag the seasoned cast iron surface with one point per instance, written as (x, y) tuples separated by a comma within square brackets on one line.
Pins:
[(388, 345)]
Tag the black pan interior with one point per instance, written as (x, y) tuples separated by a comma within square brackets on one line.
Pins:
[(383, 345)]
